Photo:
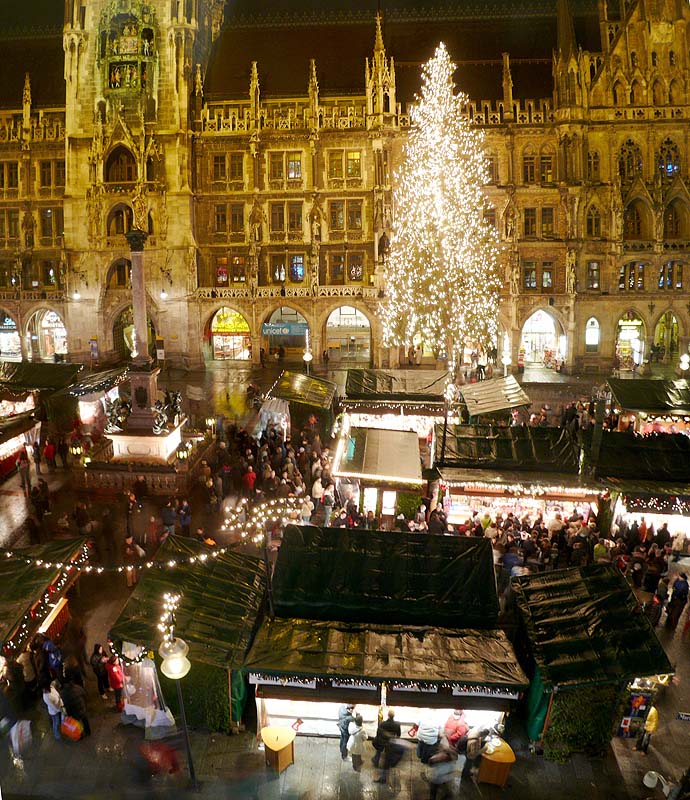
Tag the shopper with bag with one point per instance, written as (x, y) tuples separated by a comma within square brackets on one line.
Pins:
[(74, 699), (55, 706), (355, 744)]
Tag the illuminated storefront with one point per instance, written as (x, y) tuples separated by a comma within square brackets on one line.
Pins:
[(541, 343), (47, 336), (286, 335), (630, 341), (348, 335), (10, 343), (230, 336)]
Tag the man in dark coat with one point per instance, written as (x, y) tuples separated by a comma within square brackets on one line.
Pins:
[(345, 717), (387, 729), (74, 698)]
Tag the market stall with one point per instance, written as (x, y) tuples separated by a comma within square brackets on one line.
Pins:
[(492, 396), (371, 466), (588, 638), (15, 433), (651, 406), (34, 583), (311, 400)]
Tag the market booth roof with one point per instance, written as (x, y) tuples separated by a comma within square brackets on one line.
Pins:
[(295, 387), (385, 652), (13, 426), (585, 626), (220, 601), (93, 382), (410, 385), (498, 394), (21, 377), (382, 576), (522, 448), (657, 456), (379, 455), (519, 483), (651, 396), (24, 578)]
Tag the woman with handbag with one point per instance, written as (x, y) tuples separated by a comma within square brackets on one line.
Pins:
[(55, 706)]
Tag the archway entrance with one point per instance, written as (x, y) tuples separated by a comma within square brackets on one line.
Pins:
[(665, 339), (47, 336), (285, 335), (123, 333), (542, 342), (348, 335), (630, 335), (10, 342), (229, 336)]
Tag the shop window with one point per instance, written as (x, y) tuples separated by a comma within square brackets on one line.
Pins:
[(528, 169), (335, 164), (294, 166), (354, 215), (239, 269), (337, 215), (294, 217), (529, 275), (547, 216), (222, 275), (219, 167), (547, 275), (355, 267), (276, 167), (593, 166), (297, 268), (221, 218), (236, 166), (593, 275), (354, 164), (237, 218), (337, 268), (593, 222), (277, 217), (530, 222), (592, 335)]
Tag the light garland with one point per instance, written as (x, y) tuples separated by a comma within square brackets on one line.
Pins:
[(443, 275), (250, 523), (670, 504), (167, 621), (518, 489)]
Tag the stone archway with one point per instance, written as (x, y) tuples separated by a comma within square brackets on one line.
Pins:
[(630, 342), (122, 335), (10, 339), (285, 335), (347, 336), (47, 336), (543, 341), (229, 336), (666, 339)]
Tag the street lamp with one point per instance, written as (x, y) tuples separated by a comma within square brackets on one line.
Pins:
[(175, 666), (684, 363), (506, 358), (307, 358)]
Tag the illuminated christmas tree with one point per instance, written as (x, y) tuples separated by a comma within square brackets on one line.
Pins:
[(442, 278)]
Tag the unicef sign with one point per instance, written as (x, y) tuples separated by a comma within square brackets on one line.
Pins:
[(284, 328)]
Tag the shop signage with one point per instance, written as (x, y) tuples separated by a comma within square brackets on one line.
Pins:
[(415, 687), (369, 687), (683, 716), (274, 681), (160, 348), (470, 691), (284, 329)]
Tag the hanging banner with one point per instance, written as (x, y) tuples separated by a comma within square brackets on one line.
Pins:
[(160, 348), (93, 348)]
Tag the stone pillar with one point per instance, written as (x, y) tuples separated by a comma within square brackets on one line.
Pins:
[(136, 239)]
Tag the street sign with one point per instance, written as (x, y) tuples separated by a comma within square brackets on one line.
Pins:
[(160, 348)]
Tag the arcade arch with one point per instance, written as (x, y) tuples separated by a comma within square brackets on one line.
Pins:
[(630, 341), (229, 336), (348, 335), (46, 335), (285, 335), (543, 341)]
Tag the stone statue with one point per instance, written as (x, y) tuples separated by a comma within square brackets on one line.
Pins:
[(514, 276), (509, 220), (28, 226), (256, 219), (160, 417), (140, 209), (570, 272), (116, 413)]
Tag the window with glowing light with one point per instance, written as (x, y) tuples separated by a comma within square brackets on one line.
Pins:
[(593, 275), (336, 215), (529, 275), (592, 335), (278, 273), (355, 267), (354, 215), (547, 275), (354, 164), (530, 222), (297, 268), (294, 166), (238, 265), (335, 164), (547, 221)]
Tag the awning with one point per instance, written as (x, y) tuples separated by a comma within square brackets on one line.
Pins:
[(379, 577), (377, 384), (585, 626), (380, 455), (221, 598), (13, 426), (651, 396), (497, 394), (520, 483), (93, 382), (423, 655), (22, 377), (657, 457), (295, 387)]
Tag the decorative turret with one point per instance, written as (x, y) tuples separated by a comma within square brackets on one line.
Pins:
[(507, 89), (567, 80), (254, 95), (313, 92), (380, 83), (26, 104)]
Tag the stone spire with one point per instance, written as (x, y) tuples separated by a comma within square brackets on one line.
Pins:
[(378, 44), (566, 31), (507, 88), (380, 82), (26, 102), (313, 93), (254, 94)]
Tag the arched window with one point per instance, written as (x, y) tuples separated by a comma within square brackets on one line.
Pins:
[(119, 220), (120, 275), (668, 160), (655, 58), (593, 222), (629, 161), (592, 335), (121, 166), (593, 162), (632, 222), (671, 222)]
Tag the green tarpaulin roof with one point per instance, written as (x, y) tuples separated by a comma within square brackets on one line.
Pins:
[(220, 602), (657, 457), (22, 584), (498, 448), (377, 384), (385, 576), (13, 426), (519, 482), (27, 376), (651, 396), (384, 652), (586, 626), (295, 387)]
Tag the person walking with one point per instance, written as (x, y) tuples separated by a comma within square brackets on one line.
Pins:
[(168, 517), (387, 730), (444, 766), (36, 448), (116, 679), (345, 717), (355, 742), (649, 727), (679, 597), (74, 699), (185, 514), (55, 706), (24, 470), (98, 665), (49, 454)]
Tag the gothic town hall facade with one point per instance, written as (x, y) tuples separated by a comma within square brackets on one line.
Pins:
[(258, 148)]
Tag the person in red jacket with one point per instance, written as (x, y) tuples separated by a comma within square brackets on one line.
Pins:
[(249, 479), (116, 678), (456, 727)]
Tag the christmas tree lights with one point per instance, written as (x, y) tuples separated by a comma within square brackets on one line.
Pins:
[(443, 276)]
